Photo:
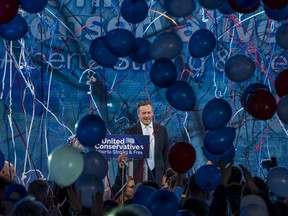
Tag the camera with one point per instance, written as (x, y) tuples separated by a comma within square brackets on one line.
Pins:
[(268, 164)]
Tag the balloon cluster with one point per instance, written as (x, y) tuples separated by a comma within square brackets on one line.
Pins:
[(91, 180), (67, 165), (259, 102), (106, 50), (12, 25), (219, 138), (184, 8)]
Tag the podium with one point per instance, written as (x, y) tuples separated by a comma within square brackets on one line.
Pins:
[(135, 146)]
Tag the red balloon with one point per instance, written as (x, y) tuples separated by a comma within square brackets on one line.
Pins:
[(261, 104), (281, 83), (235, 6), (275, 4), (8, 10), (181, 157)]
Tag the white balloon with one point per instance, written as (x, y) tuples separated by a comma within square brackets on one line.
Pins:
[(277, 181)]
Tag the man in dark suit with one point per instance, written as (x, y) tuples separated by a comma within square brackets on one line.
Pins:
[(159, 144)]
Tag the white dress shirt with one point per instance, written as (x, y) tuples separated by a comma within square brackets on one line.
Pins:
[(148, 130)]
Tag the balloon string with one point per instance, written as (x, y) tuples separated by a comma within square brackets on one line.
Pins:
[(4, 75), (185, 128), (110, 187), (258, 147), (46, 114), (154, 20), (235, 114), (26, 147), (116, 85), (28, 133), (146, 87), (282, 126), (10, 107), (256, 60), (238, 23), (168, 17)]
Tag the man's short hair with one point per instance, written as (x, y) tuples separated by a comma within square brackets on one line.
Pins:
[(143, 103)]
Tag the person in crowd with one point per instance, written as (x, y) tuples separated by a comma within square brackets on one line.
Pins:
[(77, 208), (220, 204), (256, 186), (196, 201), (8, 172), (3, 184), (167, 177), (281, 207), (159, 144), (43, 193), (28, 206), (234, 189), (127, 192), (149, 183), (121, 179), (12, 194)]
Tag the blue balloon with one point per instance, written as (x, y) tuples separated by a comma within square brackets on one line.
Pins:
[(239, 68), (208, 177), (120, 42), (163, 73), (219, 140), (282, 34), (211, 5), (2, 160), (282, 109), (143, 195), (227, 156), (216, 114), (277, 14), (180, 8), (246, 4), (275, 4), (277, 181), (181, 96), (95, 164), (89, 185), (134, 11), (163, 203), (100, 53), (201, 43), (249, 89), (141, 51), (185, 213), (226, 8), (166, 45), (14, 29), (33, 6), (90, 130)]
